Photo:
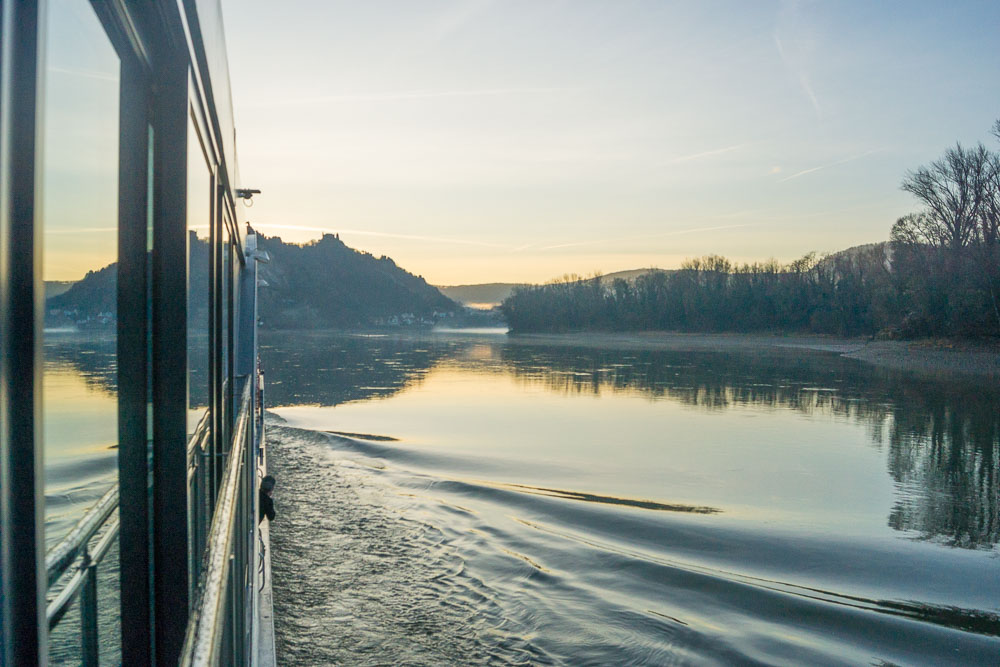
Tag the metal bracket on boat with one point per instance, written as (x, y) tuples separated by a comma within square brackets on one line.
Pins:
[(261, 256)]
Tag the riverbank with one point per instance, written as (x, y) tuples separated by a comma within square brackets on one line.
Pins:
[(925, 356)]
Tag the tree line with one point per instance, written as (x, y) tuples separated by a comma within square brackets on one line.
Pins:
[(938, 275)]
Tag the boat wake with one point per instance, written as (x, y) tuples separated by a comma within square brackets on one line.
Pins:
[(378, 561)]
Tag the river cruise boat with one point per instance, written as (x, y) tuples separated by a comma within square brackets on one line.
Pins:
[(118, 160)]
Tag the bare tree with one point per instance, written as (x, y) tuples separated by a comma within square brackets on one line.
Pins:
[(989, 230), (919, 229), (989, 214), (953, 189)]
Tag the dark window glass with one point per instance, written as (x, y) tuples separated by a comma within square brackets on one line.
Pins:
[(80, 250), (199, 216), (224, 316)]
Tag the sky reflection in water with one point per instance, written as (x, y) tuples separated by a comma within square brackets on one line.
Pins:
[(807, 439), (507, 503), (515, 503)]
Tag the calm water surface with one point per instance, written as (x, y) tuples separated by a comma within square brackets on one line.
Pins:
[(80, 434), (466, 499)]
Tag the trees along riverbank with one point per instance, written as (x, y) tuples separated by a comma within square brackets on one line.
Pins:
[(939, 275)]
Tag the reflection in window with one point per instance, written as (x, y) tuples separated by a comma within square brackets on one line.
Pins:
[(80, 248), (224, 316), (199, 216)]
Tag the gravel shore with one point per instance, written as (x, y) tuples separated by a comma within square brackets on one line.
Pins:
[(926, 356)]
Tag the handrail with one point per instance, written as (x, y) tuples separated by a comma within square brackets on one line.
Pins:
[(62, 555), (55, 610), (204, 630), (201, 433), (74, 551)]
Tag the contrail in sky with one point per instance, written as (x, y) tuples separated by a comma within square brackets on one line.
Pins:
[(81, 230), (832, 164), (697, 156), (432, 239), (89, 73), (361, 232), (800, 73), (401, 95), (647, 236)]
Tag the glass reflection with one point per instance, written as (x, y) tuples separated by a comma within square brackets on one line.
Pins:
[(80, 249), (80, 222), (199, 215), (224, 317)]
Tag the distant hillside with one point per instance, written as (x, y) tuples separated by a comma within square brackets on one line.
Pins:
[(327, 284), (856, 253), (91, 301), (57, 287), (631, 274), (484, 295), (320, 284)]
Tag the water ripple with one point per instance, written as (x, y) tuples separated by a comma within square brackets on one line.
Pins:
[(388, 565)]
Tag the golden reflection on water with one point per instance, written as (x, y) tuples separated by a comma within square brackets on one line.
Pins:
[(799, 438), (609, 500), (80, 434), (81, 417), (619, 446)]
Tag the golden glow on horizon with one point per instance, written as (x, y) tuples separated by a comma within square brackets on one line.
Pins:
[(458, 262)]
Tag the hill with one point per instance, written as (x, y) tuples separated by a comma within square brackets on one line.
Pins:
[(631, 274), (485, 295), (87, 302), (57, 287), (855, 254), (318, 285), (327, 284)]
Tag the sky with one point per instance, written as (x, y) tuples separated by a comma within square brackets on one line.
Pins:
[(520, 140), (79, 144)]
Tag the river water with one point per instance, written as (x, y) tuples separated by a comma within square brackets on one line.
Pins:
[(80, 436), (463, 498)]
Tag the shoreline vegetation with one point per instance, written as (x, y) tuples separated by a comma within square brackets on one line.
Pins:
[(925, 356), (937, 276)]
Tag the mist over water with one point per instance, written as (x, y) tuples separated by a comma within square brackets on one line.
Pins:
[(450, 499)]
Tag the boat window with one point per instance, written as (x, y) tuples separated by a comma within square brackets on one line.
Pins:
[(225, 326), (79, 218), (199, 216)]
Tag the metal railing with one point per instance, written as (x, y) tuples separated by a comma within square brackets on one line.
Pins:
[(220, 624), (75, 549)]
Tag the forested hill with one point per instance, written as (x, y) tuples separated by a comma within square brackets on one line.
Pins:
[(93, 300), (327, 284), (320, 284)]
